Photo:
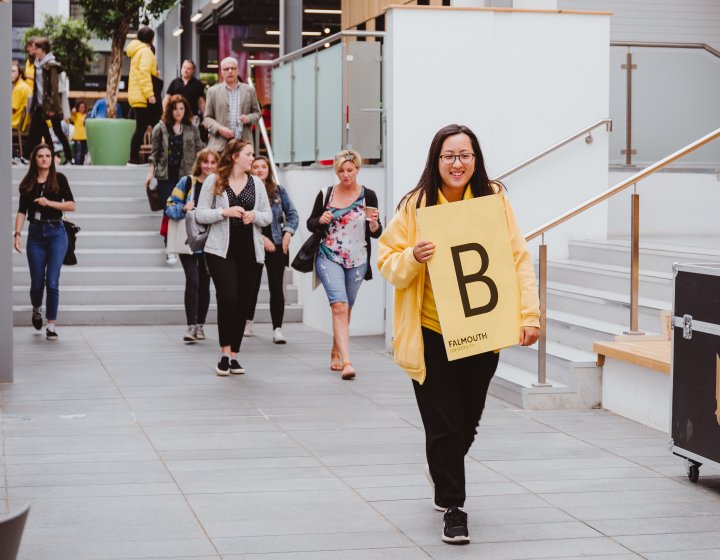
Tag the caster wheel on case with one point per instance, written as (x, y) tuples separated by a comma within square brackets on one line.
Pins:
[(693, 472)]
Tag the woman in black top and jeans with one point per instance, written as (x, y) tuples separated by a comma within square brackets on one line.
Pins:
[(44, 196)]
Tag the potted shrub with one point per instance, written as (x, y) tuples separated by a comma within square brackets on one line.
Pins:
[(109, 138)]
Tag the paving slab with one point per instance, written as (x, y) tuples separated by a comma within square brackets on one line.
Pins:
[(127, 446)]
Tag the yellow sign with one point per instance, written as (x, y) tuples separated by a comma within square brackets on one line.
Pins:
[(473, 275)]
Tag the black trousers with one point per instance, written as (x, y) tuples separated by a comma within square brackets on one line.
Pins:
[(234, 278), (276, 263), (451, 402), (39, 130), (197, 288), (144, 117)]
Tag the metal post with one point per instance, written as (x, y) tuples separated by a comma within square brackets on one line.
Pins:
[(291, 14), (542, 341), (628, 151), (6, 217), (634, 264)]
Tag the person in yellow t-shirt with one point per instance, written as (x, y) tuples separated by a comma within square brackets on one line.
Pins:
[(30, 62), (21, 95), (450, 394), (79, 137)]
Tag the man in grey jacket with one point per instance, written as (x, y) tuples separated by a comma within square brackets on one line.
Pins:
[(231, 108)]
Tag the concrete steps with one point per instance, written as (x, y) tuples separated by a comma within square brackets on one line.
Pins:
[(589, 300), (121, 277)]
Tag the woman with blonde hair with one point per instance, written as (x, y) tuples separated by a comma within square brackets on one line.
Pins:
[(346, 215), (236, 206), (184, 198)]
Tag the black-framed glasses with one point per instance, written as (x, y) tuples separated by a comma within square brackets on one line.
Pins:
[(449, 159)]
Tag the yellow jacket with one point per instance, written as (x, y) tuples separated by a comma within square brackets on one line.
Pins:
[(30, 74), (142, 65), (21, 95), (398, 266)]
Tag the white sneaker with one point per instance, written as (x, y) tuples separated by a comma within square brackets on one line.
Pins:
[(199, 332), (248, 328), (190, 335), (170, 259), (278, 337), (432, 485)]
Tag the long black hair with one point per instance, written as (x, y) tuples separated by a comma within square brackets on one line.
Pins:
[(27, 183), (430, 180)]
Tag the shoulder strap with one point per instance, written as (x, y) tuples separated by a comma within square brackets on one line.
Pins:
[(326, 194)]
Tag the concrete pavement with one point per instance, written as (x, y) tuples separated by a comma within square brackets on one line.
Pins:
[(128, 446)]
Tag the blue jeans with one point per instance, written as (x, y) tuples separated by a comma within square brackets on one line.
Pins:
[(46, 248), (341, 284)]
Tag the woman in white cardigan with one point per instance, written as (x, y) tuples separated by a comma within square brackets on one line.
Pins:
[(235, 203)]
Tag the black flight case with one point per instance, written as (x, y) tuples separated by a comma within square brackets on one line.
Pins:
[(695, 416)]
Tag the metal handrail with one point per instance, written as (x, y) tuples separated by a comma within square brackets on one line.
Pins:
[(641, 44), (558, 145), (634, 244), (313, 47), (639, 176)]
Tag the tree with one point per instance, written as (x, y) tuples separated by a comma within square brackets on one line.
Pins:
[(112, 19), (69, 40)]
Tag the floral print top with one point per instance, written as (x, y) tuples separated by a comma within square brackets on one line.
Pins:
[(344, 242)]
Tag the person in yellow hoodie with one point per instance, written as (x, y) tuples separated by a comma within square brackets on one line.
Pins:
[(21, 95), (141, 94), (30, 62), (450, 394)]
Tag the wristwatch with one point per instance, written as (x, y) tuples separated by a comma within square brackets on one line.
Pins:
[(17, 234)]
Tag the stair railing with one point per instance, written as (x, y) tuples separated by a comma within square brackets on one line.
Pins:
[(582, 132), (634, 243)]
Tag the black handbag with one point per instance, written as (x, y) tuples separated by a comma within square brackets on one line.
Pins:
[(153, 196), (72, 230), (304, 261)]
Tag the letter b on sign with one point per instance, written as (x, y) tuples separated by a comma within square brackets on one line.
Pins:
[(479, 276)]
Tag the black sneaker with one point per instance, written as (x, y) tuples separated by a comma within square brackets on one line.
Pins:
[(223, 367), (235, 367), (37, 319), (51, 335), (455, 530)]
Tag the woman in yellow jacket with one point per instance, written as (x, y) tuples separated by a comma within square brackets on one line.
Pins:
[(450, 394), (141, 94)]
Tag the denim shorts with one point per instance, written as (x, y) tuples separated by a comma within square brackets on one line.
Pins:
[(341, 284)]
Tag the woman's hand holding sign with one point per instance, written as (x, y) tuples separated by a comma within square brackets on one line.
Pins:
[(529, 335), (423, 251)]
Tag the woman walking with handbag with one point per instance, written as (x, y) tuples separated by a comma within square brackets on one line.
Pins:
[(346, 222), (184, 198), (236, 205), (175, 144), (450, 394), (44, 196), (276, 239)]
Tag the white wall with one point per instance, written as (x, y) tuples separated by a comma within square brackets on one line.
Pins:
[(52, 8), (368, 316), (524, 82), (671, 204), (668, 21)]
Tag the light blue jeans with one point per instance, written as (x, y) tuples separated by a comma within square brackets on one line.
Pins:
[(341, 284)]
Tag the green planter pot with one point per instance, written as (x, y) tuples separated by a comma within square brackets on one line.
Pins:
[(109, 140)]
